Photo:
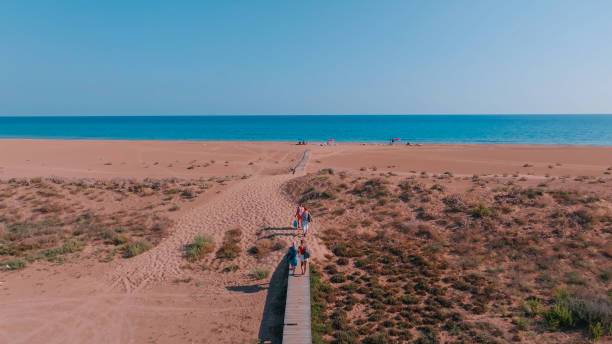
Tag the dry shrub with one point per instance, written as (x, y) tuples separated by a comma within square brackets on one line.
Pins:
[(407, 226), (263, 247), (583, 217), (427, 213), (426, 231), (372, 188), (49, 208), (229, 248), (454, 203)]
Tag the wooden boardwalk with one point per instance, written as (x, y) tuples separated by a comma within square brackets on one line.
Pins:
[(301, 166), (296, 328)]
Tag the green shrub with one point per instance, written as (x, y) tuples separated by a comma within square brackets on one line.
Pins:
[(522, 323), (561, 294), (559, 315), (596, 331), (201, 246), (481, 211), (135, 248), (260, 273)]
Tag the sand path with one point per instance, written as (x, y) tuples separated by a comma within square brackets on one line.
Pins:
[(250, 205)]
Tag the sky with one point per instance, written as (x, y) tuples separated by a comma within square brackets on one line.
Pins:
[(305, 57)]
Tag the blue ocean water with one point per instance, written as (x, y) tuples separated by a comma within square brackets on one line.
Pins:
[(506, 129)]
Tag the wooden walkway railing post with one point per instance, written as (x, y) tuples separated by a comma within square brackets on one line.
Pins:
[(296, 328)]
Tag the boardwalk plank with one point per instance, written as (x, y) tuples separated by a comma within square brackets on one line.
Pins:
[(296, 329)]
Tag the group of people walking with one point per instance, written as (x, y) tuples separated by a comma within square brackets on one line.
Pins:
[(303, 219), (302, 252)]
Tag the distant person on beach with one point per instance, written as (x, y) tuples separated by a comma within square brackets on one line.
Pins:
[(304, 253), (291, 257), (298, 215), (306, 219)]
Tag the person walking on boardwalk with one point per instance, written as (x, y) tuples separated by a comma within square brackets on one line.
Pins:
[(304, 253), (298, 215), (306, 219), (301, 255), (291, 257)]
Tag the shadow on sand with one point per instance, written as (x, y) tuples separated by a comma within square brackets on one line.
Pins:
[(271, 328), (279, 229), (248, 289)]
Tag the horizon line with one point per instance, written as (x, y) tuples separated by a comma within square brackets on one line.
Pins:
[(306, 114)]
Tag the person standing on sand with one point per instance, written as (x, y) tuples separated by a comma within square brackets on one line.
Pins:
[(306, 219), (291, 257), (298, 215)]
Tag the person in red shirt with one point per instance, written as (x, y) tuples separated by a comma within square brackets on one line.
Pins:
[(298, 215), (303, 260)]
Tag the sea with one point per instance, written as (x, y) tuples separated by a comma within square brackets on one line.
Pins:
[(488, 129)]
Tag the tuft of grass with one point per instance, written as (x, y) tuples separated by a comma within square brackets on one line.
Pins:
[(481, 211), (135, 248), (533, 307), (201, 246), (559, 316), (596, 331), (260, 273), (13, 264), (70, 246), (231, 268)]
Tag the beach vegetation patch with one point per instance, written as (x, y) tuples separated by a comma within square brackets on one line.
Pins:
[(200, 247), (260, 273), (481, 211), (421, 259), (13, 264), (135, 248), (230, 248), (265, 246)]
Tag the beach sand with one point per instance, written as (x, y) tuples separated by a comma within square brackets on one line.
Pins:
[(142, 299)]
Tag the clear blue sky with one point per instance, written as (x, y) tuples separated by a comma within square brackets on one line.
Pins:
[(305, 57)]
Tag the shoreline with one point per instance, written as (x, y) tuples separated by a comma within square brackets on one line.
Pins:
[(310, 143)]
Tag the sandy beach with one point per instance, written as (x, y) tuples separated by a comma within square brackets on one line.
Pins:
[(141, 159), (158, 296)]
